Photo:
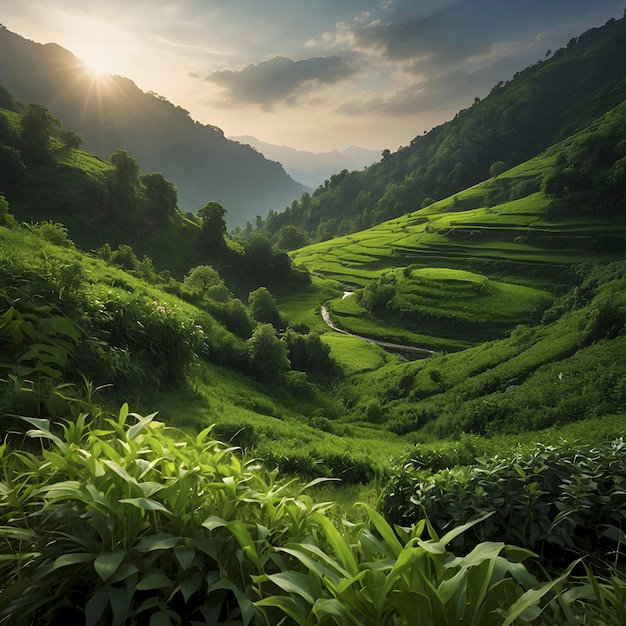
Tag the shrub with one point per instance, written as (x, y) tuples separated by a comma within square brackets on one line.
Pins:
[(556, 500)]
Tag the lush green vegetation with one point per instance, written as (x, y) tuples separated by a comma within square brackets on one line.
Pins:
[(545, 103), (128, 522), (513, 437), (562, 500)]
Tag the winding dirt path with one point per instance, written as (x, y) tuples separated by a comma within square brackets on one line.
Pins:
[(409, 352)]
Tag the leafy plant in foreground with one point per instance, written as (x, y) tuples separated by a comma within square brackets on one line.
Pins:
[(126, 521)]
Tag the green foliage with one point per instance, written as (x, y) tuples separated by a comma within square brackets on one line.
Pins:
[(519, 119), (560, 500), (37, 126), (267, 354), (53, 232), (138, 342), (213, 216), (71, 139), (203, 277), (263, 308), (139, 522), (6, 219), (308, 353), (161, 194), (588, 179), (127, 521)]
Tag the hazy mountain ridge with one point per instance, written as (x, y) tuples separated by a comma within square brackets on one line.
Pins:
[(312, 168), (112, 112)]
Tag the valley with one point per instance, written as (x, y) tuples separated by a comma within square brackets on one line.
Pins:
[(204, 424)]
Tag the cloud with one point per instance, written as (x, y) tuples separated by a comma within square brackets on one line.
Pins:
[(278, 79)]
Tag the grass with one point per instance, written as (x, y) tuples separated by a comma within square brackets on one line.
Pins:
[(461, 229)]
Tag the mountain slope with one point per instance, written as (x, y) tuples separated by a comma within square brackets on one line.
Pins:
[(112, 112), (540, 105), (310, 168)]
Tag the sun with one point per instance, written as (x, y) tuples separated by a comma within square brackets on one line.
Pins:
[(97, 64)]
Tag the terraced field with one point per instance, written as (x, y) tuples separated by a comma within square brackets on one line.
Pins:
[(513, 238)]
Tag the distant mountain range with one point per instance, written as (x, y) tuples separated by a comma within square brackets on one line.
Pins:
[(113, 113), (311, 168)]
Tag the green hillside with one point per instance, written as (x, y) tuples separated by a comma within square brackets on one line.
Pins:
[(112, 113), (161, 415), (519, 119)]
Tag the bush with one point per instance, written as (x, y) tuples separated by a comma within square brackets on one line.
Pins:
[(557, 500)]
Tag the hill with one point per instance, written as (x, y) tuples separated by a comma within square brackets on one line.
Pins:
[(521, 117), (310, 168), (112, 113)]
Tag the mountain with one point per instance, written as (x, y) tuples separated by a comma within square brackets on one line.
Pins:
[(540, 105), (313, 168), (112, 113)]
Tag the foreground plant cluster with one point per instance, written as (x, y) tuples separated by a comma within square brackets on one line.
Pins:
[(122, 520)]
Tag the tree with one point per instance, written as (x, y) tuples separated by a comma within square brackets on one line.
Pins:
[(37, 125), (202, 277), (125, 179), (71, 139), (258, 256), (267, 354), (290, 238), (161, 193), (263, 307), (12, 168), (6, 219), (497, 168), (213, 216)]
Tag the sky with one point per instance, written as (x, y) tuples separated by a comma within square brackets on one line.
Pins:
[(315, 75)]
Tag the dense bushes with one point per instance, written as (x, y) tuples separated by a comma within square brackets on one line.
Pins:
[(560, 501), (128, 522)]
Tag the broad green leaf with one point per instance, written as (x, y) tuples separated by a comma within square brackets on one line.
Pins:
[(459, 530), (156, 580), (318, 552), (96, 606), (338, 543), (432, 547), (120, 471), (329, 607), (163, 618), (384, 529), (241, 533), (189, 586), (185, 556), (120, 600), (303, 585), (145, 503), (532, 597), (482, 552), (142, 422), (60, 326), (123, 414), (106, 564), (318, 481), (123, 572), (247, 608), (74, 558), (292, 607), (71, 489), (213, 522)]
